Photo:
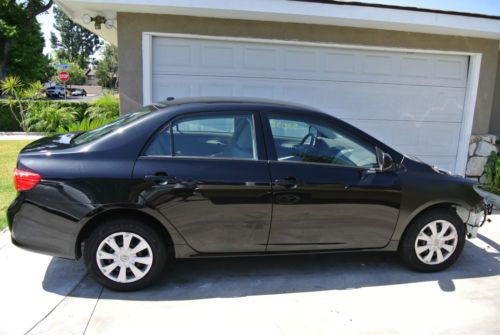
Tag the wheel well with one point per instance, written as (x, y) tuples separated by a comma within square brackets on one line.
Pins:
[(125, 213), (446, 206)]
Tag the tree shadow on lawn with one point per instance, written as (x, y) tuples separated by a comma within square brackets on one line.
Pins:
[(249, 276)]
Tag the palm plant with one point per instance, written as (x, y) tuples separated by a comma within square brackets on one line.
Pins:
[(20, 98)]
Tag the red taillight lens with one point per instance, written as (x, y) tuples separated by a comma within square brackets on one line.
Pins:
[(25, 180)]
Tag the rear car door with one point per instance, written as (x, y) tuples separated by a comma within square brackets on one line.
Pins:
[(326, 193), (207, 174)]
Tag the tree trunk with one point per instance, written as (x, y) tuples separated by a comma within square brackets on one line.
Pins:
[(5, 57)]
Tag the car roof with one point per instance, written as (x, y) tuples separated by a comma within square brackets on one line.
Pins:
[(169, 102)]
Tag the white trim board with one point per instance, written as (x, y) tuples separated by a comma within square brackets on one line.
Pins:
[(468, 115), (147, 68), (292, 11), (471, 88)]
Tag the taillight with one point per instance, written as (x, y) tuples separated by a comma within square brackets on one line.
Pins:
[(25, 180)]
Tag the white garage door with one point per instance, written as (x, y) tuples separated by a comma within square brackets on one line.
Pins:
[(411, 101)]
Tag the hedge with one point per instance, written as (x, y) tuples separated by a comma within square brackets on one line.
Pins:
[(8, 122)]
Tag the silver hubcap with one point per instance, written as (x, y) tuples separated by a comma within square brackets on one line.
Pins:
[(124, 257), (436, 242)]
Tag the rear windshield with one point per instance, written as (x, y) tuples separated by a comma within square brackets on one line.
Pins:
[(94, 134)]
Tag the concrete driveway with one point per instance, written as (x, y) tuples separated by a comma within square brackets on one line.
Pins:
[(342, 293)]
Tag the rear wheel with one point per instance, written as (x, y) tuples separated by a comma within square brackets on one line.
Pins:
[(125, 254), (433, 241)]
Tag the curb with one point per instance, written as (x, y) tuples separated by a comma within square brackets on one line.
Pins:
[(20, 133), (20, 136)]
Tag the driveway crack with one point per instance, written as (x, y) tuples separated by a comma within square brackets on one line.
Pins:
[(57, 305), (93, 310)]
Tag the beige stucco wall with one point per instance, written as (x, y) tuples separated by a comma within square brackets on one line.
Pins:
[(495, 113), (131, 26)]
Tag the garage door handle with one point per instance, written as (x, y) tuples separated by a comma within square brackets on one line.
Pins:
[(286, 182)]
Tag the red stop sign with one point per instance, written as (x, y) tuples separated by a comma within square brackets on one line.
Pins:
[(63, 76)]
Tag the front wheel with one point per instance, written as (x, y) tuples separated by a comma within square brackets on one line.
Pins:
[(125, 254), (433, 241)]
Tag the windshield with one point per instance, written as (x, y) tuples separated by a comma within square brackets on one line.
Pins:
[(94, 134)]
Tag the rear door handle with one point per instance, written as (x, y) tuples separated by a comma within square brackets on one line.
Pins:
[(286, 182), (158, 177)]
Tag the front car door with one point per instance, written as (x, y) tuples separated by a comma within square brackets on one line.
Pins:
[(207, 174), (326, 193)]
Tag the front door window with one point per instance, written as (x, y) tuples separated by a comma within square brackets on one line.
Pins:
[(306, 140)]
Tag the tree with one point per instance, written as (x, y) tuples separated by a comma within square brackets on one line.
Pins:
[(76, 44), (107, 68), (21, 40), (76, 75)]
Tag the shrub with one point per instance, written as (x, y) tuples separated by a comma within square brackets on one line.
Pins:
[(105, 107), (7, 120), (493, 173), (48, 119), (84, 125), (76, 110)]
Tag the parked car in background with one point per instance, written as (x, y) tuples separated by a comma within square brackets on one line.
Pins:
[(225, 177), (79, 92), (58, 91)]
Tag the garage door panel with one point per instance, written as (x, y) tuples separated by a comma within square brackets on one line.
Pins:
[(176, 55), (413, 136), (217, 57), (421, 138), (256, 58), (167, 88), (221, 90), (243, 59), (443, 162), (345, 100), (258, 90), (411, 101), (450, 68), (393, 102)]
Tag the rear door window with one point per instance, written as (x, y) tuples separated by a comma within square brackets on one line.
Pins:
[(208, 136)]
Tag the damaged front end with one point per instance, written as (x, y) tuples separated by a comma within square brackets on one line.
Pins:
[(475, 218)]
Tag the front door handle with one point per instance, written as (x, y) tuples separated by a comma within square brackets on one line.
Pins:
[(286, 182)]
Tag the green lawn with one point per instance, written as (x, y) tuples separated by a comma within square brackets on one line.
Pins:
[(8, 156)]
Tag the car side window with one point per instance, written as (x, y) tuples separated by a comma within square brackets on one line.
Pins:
[(311, 140), (161, 144), (215, 135)]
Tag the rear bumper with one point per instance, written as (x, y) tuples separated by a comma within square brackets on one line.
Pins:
[(42, 229)]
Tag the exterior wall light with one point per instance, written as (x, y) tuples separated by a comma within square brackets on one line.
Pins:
[(98, 21)]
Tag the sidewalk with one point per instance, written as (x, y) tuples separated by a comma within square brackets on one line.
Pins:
[(19, 136)]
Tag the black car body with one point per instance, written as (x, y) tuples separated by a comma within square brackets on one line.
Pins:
[(214, 195)]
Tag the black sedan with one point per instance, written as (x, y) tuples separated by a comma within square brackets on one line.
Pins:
[(224, 177)]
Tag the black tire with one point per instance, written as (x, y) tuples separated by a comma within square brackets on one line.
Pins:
[(153, 238), (407, 249)]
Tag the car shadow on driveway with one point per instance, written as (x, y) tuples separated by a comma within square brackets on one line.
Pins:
[(238, 277)]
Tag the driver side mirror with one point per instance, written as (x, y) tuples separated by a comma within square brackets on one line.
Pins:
[(385, 161)]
